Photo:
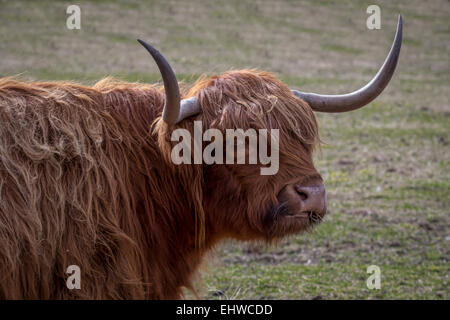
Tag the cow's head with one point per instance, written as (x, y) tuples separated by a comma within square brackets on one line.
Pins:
[(240, 202)]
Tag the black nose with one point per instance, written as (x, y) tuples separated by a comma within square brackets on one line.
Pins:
[(312, 198)]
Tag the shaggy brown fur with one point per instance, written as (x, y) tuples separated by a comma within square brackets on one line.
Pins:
[(86, 179)]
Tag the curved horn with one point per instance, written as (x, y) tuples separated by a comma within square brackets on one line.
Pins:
[(361, 97), (173, 111)]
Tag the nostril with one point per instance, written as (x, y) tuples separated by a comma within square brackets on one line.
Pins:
[(302, 195), (312, 197), (302, 192)]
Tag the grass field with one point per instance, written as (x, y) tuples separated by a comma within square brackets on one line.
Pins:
[(386, 167)]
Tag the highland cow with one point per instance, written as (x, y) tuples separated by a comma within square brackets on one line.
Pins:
[(86, 178)]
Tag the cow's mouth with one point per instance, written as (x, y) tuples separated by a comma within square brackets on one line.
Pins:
[(314, 217), (309, 217), (285, 220)]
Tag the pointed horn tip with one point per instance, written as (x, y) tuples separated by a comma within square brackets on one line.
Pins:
[(399, 27), (400, 22), (149, 47), (142, 42)]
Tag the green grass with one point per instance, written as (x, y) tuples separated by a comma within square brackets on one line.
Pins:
[(341, 49), (386, 167), (256, 281)]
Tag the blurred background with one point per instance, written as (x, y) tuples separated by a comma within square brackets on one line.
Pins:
[(386, 167)]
